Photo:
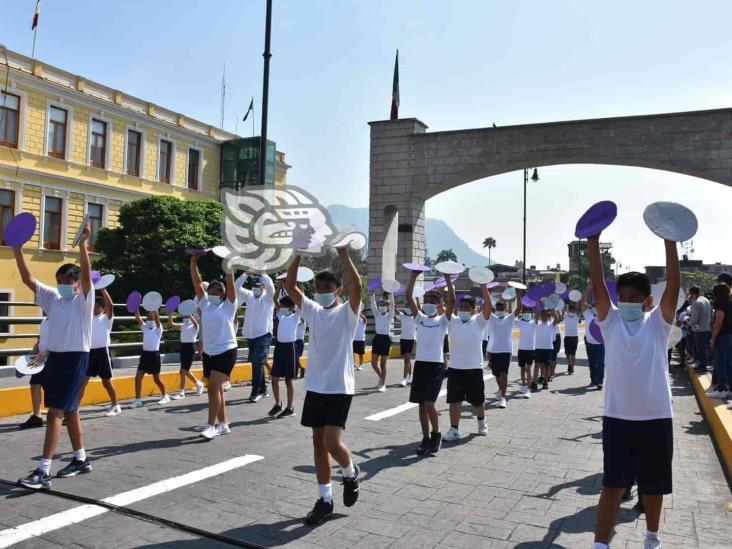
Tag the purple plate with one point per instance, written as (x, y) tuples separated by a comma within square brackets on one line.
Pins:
[(596, 219), (416, 267), (374, 284), (441, 282), (492, 284), (133, 302), (535, 292), (565, 295), (612, 289), (19, 230), (548, 288), (18, 374), (596, 332), (95, 276), (197, 251), (526, 301), (400, 291), (172, 304)]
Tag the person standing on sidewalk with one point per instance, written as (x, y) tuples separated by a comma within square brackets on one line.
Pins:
[(721, 341), (700, 320)]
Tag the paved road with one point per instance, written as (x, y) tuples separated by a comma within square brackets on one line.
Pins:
[(532, 482)]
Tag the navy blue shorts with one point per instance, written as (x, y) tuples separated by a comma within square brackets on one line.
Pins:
[(570, 345), (63, 380), (359, 347), (543, 356), (284, 361), (500, 363), (100, 365), (381, 345), (406, 346), (187, 354), (325, 410), (426, 381), (299, 348), (557, 346)]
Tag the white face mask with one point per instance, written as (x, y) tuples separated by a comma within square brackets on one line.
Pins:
[(526, 317), (464, 315), (571, 315), (325, 300), (429, 309), (630, 311), (500, 314), (257, 291), (383, 310), (150, 324)]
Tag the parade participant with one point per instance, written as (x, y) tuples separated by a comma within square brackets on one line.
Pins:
[(285, 356), (100, 363), (571, 337), (545, 330), (595, 348), (406, 343), (384, 312), (258, 325), (189, 330), (359, 341), (69, 307), (500, 346), (152, 333), (526, 323), (486, 342), (465, 368), (300, 346), (329, 380), (218, 307), (556, 344), (40, 351), (637, 429), (428, 366)]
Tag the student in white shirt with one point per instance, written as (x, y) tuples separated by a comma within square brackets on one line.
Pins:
[(359, 341), (429, 370), (571, 336), (543, 355), (69, 308), (258, 326), (152, 333), (329, 380), (100, 363), (300, 346), (501, 345), (285, 356), (218, 307), (465, 367), (637, 429), (384, 311), (188, 329), (406, 342), (594, 347), (40, 351), (556, 345), (486, 341), (527, 345)]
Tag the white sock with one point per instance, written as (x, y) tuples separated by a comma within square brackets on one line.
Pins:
[(80, 454), (598, 545), (45, 465), (652, 535), (325, 491), (349, 471)]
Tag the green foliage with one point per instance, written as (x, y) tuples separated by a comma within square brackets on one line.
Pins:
[(446, 255), (704, 281)]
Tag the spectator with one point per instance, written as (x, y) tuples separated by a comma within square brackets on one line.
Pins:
[(721, 340), (700, 317)]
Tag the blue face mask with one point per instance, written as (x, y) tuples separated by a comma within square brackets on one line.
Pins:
[(500, 314), (429, 309), (257, 291), (526, 317), (383, 310), (464, 315), (66, 290), (630, 311), (325, 300), (283, 313)]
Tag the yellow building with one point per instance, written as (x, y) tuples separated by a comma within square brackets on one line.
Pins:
[(71, 147)]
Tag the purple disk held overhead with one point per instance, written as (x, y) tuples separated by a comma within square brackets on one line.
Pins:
[(373, 284), (133, 302), (595, 331), (95, 276), (526, 301), (19, 230), (172, 304), (565, 295), (549, 288), (416, 267), (441, 282), (400, 291), (596, 219), (18, 374), (197, 251), (535, 292), (612, 289), (492, 284)]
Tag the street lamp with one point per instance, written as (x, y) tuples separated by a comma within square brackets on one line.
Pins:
[(534, 178)]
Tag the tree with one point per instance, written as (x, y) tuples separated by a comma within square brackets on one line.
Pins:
[(147, 251), (489, 243), (446, 255), (704, 281)]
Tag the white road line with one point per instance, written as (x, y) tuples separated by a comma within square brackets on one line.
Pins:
[(39, 527), (407, 406)]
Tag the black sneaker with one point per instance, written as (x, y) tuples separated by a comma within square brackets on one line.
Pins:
[(534, 386), (628, 495), (551, 378), (287, 412), (255, 397), (31, 423), (320, 512), (545, 385), (276, 409), (435, 442), (599, 386), (36, 480), (540, 379), (350, 488), (423, 447), (76, 467), (570, 370)]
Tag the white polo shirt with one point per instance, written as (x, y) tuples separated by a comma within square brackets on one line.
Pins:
[(384, 321), (589, 317), (69, 320), (527, 334), (259, 317), (101, 328), (151, 337), (501, 334), (188, 332), (545, 335), (570, 325), (287, 328), (409, 326), (217, 320), (360, 334), (466, 342), (431, 333)]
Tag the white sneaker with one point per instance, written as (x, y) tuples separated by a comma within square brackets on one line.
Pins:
[(227, 385), (223, 428), (164, 400), (482, 427), (651, 543), (527, 394), (137, 403), (381, 388), (498, 394), (179, 395), (502, 402), (210, 432), (403, 382), (409, 380), (451, 435), (716, 394), (114, 411), (199, 389), (359, 368)]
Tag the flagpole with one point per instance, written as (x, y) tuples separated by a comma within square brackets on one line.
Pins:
[(253, 131), (265, 95), (33, 51)]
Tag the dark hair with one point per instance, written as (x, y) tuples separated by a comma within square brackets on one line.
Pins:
[(726, 278), (635, 280), (721, 294), (437, 296), (469, 299), (500, 306), (286, 301), (328, 276), (257, 281), (99, 301), (694, 290), (69, 269), (217, 282)]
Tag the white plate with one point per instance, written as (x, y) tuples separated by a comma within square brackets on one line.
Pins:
[(390, 286), (671, 221), (104, 281), (517, 285), (560, 287), (480, 275), (221, 251), (24, 367), (450, 267), (560, 305), (418, 293), (305, 274), (509, 294), (152, 301), (80, 230), (553, 300), (674, 337), (575, 295), (282, 276), (187, 307)]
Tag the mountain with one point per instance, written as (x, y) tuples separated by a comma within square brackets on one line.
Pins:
[(439, 234)]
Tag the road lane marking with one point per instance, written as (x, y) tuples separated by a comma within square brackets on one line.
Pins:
[(42, 526)]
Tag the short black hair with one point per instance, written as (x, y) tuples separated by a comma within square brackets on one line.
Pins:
[(500, 306), (286, 301), (217, 282), (694, 290), (635, 280), (721, 294), (328, 276), (469, 299), (725, 278), (437, 296), (69, 269)]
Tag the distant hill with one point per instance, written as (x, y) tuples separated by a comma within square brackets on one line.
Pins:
[(439, 234)]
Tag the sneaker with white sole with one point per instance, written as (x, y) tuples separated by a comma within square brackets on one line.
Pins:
[(651, 543), (164, 400), (381, 388), (498, 394), (409, 380), (451, 435), (199, 389), (210, 432), (227, 385), (482, 427), (502, 403), (179, 395), (137, 403), (403, 382), (223, 428), (114, 411), (716, 394)]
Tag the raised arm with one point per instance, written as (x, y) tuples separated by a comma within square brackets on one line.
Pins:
[(194, 322), (240, 289), (230, 289), (353, 278), (519, 303), (602, 296), (25, 275), (410, 291), (196, 278), (138, 318), (372, 302), (269, 288), (392, 305), (172, 324), (487, 310), (291, 286), (108, 305), (450, 309), (673, 282), (85, 275)]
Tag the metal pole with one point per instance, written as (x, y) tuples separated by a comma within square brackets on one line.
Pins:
[(265, 95), (526, 180)]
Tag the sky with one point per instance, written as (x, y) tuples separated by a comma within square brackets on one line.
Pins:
[(463, 64)]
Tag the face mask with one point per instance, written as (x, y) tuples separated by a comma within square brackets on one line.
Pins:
[(407, 312), (500, 314), (429, 309), (66, 290), (630, 311), (282, 314), (257, 292), (594, 311), (464, 315), (526, 317), (187, 321), (325, 300), (571, 315), (383, 310), (150, 324)]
